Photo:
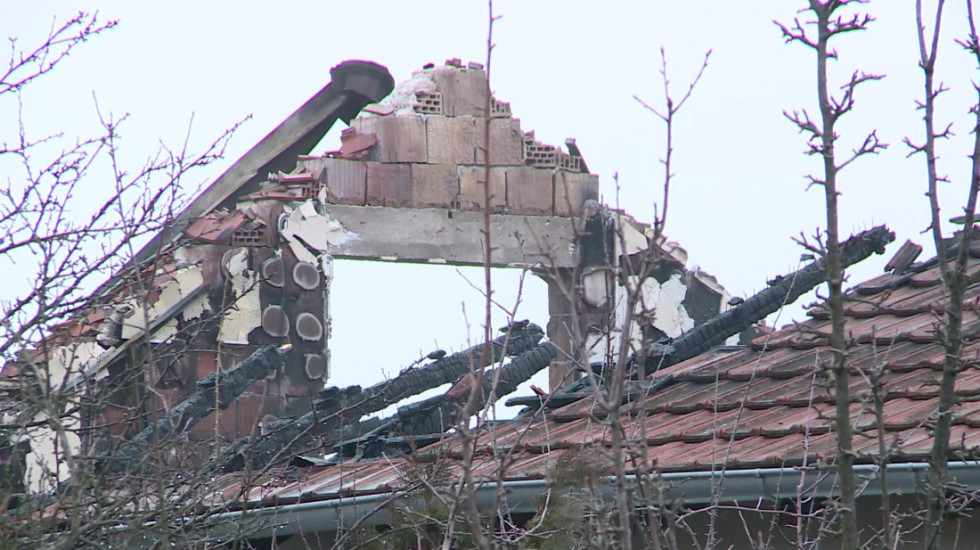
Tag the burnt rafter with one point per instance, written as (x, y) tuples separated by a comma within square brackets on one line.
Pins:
[(420, 423), (785, 290), (336, 414), (216, 390), (448, 369)]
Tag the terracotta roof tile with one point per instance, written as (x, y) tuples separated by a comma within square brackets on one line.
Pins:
[(216, 227), (746, 408)]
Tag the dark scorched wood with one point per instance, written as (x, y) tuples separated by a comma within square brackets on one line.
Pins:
[(437, 414), (784, 291), (337, 413)]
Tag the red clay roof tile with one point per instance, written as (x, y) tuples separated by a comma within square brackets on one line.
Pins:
[(748, 408)]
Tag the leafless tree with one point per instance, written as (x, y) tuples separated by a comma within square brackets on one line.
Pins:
[(952, 259), (71, 212), (827, 20)]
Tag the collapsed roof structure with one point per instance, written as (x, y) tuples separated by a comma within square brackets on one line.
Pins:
[(233, 300), (249, 263)]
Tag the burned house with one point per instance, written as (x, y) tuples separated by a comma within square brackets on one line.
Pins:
[(247, 267), (220, 338)]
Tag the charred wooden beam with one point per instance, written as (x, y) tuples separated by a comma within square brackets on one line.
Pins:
[(216, 390), (448, 369), (783, 291), (437, 414), (336, 414)]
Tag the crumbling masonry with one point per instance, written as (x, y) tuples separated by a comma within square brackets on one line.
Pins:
[(249, 264)]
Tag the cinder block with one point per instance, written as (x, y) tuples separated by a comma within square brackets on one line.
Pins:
[(539, 154), (506, 142), (401, 138), (434, 185), (389, 184), (471, 188), (529, 190), (345, 181), (572, 189), (429, 103), (451, 140)]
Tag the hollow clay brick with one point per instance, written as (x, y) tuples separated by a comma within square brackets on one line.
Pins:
[(529, 190), (345, 181), (471, 185), (389, 184), (506, 142), (434, 185), (451, 140)]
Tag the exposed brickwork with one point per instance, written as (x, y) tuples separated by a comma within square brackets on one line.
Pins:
[(389, 184), (444, 124), (529, 190), (506, 142), (471, 186), (429, 103), (451, 140), (539, 154), (499, 108), (434, 185)]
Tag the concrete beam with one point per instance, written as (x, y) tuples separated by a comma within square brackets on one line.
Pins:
[(452, 237)]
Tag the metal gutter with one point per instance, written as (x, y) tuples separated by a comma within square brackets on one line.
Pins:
[(747, 487)]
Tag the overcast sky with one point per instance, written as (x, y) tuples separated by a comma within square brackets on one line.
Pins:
[(569, 69)]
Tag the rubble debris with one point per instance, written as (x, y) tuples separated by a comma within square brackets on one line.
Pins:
[(310, 233), (903, 258), (336, 408)]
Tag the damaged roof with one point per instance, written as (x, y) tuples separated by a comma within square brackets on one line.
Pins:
[(768, 405)]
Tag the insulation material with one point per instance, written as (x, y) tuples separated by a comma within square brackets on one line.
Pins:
[(633, 238), (309, 233), (72, 360), (234, 262), (185, 282), (169, 329), (596, 287), (44, 468), (670, 317), (241, 318), (195, 309)]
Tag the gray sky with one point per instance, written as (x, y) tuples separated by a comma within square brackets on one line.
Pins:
[(569, 69)]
